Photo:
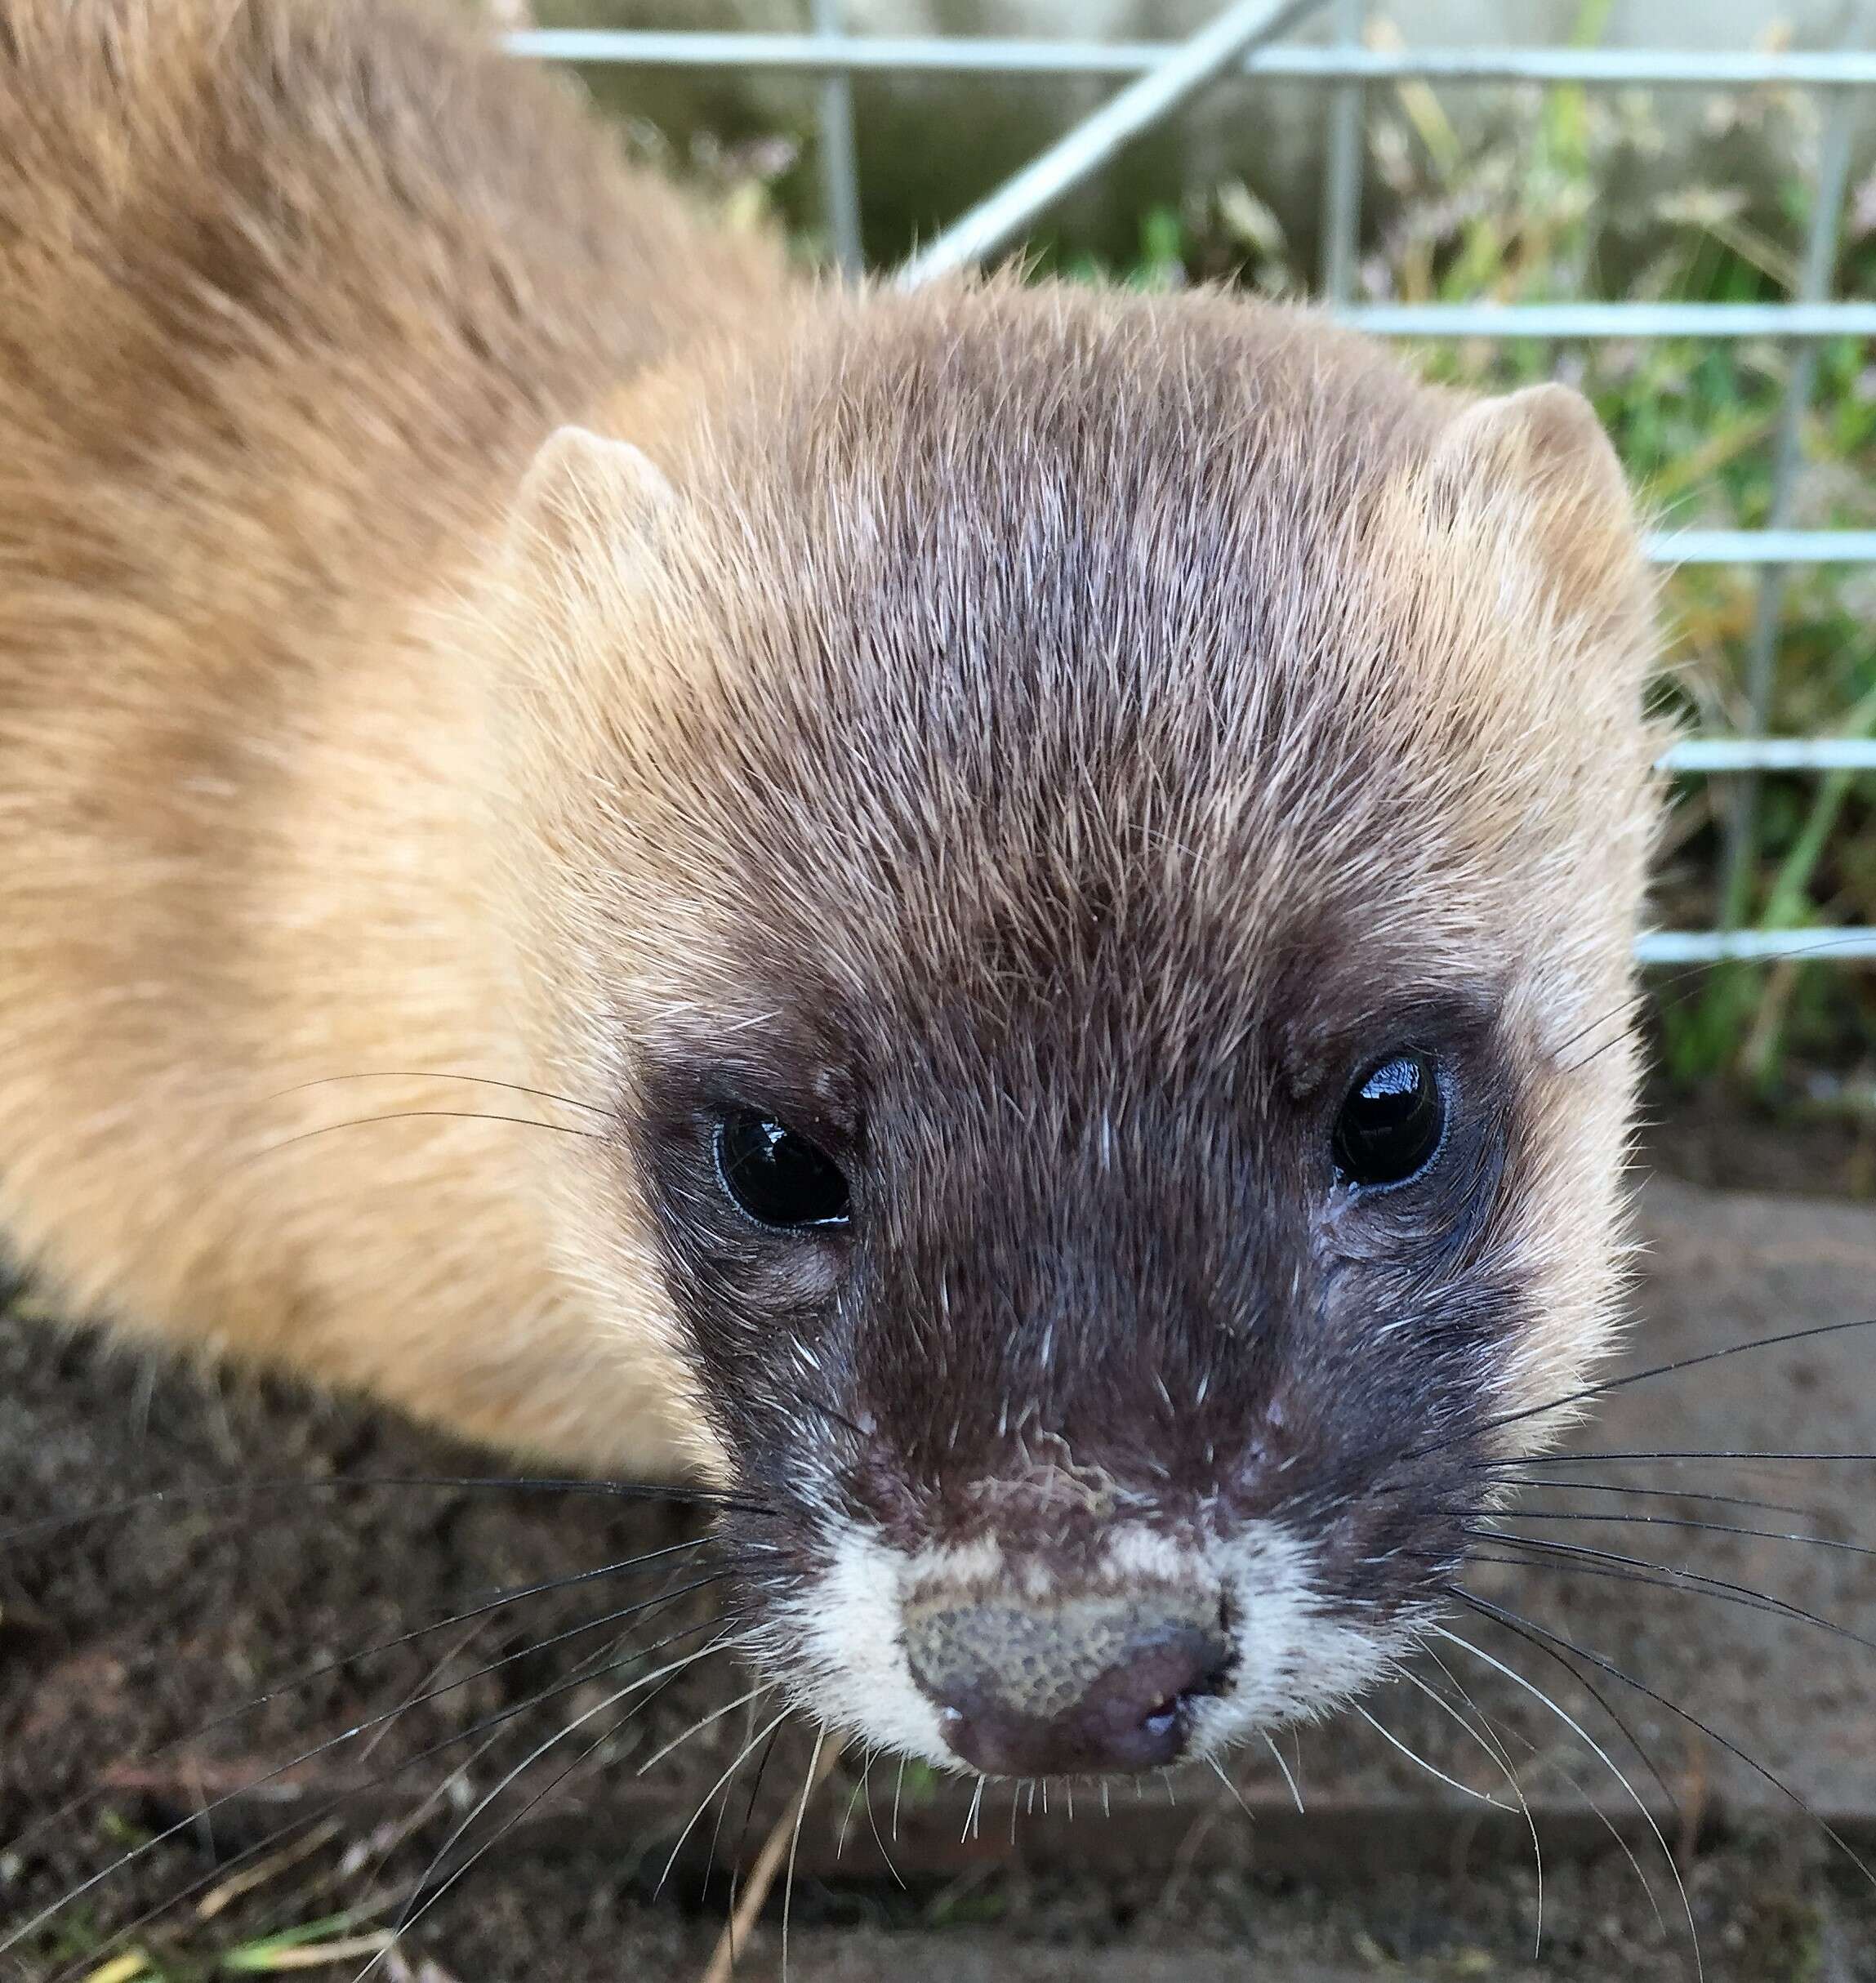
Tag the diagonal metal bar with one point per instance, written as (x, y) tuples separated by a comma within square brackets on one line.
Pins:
[(1184, 72)]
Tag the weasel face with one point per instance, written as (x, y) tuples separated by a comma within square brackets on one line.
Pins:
[(1092, 846)]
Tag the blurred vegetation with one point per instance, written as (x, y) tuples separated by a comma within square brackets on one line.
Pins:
[(1556, 202)]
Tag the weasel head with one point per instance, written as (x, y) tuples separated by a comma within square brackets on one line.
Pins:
[(1089, 847)]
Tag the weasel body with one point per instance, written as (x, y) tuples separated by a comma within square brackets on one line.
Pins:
[(1043, 879)]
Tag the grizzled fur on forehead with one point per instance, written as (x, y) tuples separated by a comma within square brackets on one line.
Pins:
[(1012, 614)]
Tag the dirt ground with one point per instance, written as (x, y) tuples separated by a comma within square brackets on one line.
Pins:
[(233, 1739)]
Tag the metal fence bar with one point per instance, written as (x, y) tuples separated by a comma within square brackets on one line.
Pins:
[(1725, 754), (1815, 283), (1185, 70), (1600, 320), (1342, 188), (1761, 546), (839, 168), (996, 55), (1848, 944)]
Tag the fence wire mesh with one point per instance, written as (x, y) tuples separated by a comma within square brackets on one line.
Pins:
[(1158, 78)]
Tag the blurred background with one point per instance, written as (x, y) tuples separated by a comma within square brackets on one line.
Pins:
[(1722, 153)]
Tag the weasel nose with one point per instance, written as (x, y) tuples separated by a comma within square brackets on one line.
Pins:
[(1088, 1683)]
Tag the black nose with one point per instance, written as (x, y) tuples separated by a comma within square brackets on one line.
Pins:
[(1084, 1684)]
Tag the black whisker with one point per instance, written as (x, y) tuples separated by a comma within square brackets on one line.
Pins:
[(1684, 1452), (1609, 1384), (199, 1497), (1661, 1494), (1647, 1569), (435, 1074), (429, 1114), (1664, 1522)]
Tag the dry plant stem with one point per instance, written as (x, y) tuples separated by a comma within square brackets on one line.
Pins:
[(736, 1930)]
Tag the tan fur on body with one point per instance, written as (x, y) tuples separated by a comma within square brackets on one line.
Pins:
[(313, 763), (293, 295)]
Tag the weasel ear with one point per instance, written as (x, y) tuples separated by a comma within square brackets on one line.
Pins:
[(582, 489), (1544, 450)]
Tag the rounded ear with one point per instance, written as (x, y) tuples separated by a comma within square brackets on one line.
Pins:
[(583, 488), (1544, 450)]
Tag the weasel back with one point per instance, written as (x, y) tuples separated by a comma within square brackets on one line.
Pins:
[(295, 291)]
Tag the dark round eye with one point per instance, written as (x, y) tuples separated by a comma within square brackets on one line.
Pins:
[(1391, 1123), (777, 1177)]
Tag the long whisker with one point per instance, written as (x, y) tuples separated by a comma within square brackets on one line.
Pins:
[(1452, 1783), (742, 1757), (440, 1074), (323, 1809), (1276, 1757), (1515, 1620), (708, 1720), (1485, 1731), (809, 1783), (430, 1115), (308, 1676), (203, 1497), (15, 1936), (1663, 1521), (873, 1824), (602, 1660), (1217, 1770), (1596, 1749), (742, 1836), (1563, 1554), (1617, 1720), (414, 1913), (1687, 1453), (1661, 1494), (1495, 1750), (1605, 1386)]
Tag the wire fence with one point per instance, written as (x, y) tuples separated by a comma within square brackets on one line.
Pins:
[(1156, 78)]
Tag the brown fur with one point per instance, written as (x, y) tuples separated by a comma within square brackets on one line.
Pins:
[(315, 762), (294, 293)]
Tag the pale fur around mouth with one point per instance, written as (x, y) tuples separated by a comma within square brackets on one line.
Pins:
[(1293, 1659)]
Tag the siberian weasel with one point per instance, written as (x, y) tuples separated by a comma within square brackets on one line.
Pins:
[(1044, 878)]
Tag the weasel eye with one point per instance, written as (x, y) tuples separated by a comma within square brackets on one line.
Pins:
[(1392, 1121), (779, 1177)]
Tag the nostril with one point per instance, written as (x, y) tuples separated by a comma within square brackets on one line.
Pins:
[(1088, 1684)]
